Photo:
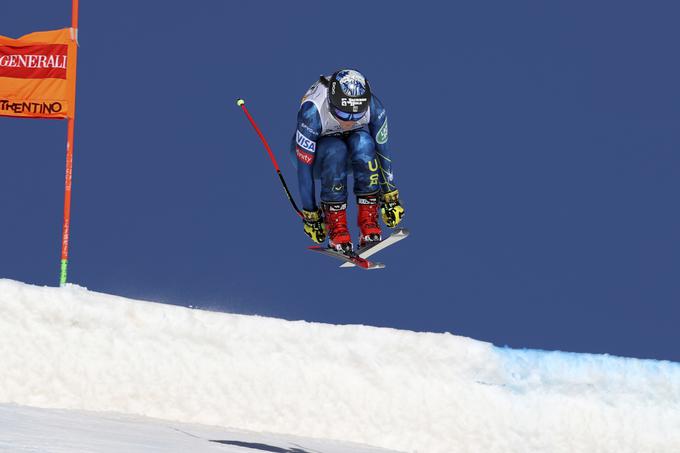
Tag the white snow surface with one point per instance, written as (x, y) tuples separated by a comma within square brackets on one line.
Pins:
[(32, 430), (70, 348)]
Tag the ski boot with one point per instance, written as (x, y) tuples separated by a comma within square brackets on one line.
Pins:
[(368, 219), (335, 216)]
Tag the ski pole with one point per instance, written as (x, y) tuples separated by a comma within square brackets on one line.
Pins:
[(241, 103)]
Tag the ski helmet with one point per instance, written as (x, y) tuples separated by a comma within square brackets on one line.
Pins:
[(349, 95)]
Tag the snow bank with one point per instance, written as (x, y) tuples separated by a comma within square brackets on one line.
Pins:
[(417, 392)]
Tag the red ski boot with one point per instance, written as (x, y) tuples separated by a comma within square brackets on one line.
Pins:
[(335, 216), (368, 219)]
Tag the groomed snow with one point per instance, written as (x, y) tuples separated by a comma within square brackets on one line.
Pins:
[(70, 348), (33, 430)]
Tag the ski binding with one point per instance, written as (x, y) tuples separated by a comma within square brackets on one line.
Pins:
[(351, 258), (374, 247)]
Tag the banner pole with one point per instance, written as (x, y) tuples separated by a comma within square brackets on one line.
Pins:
[(69, 155)]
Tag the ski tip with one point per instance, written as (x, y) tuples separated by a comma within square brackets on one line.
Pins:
[(240, 102), (401, 232), (371, 265), (353, 259)]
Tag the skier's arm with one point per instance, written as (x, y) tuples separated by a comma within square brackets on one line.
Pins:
[(390, 208), (306, 135), (378, 128)]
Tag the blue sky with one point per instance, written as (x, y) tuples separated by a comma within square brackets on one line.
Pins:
[(536, 148)]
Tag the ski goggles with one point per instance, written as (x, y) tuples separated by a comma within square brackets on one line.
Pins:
[(344, 116)]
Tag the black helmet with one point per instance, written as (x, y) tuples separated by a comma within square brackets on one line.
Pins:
[(349, 94)]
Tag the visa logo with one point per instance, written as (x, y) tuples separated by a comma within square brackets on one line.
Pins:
[(305, 143)]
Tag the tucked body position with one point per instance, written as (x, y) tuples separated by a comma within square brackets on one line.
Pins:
[(341, 129)]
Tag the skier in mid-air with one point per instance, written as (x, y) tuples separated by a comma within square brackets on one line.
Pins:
[(342, 126)]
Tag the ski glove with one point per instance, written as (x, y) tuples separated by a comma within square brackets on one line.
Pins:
[(391, 210), (314, 226)]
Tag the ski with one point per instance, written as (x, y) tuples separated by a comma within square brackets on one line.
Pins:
[(352, 259), (365, 252)]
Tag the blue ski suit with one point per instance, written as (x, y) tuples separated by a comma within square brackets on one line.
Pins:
[(326, 149)]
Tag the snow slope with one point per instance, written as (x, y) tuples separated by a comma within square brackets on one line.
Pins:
[(32, 430), (74, 349)]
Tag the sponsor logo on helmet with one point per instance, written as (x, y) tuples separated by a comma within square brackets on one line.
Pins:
[(305, 143), (351, 82), (354, 103)]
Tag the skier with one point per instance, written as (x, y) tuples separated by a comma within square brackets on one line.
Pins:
[(342, 126)]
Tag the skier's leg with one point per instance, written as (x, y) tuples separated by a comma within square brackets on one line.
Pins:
[(366, 184), (364, 163), (333, 153)]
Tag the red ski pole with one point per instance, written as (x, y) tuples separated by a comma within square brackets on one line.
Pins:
[(241, 103)]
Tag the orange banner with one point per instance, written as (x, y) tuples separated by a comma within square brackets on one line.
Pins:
[(38, 75)]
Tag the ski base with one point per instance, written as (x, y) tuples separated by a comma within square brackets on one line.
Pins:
[(352, 259), (365, 252)]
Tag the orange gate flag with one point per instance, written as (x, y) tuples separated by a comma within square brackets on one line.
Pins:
[(38, 75)]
